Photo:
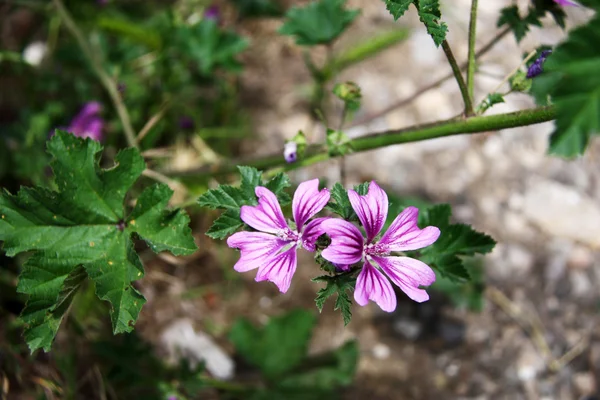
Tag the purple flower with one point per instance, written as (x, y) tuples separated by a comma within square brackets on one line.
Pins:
[(88, 122), (212, 12), (273, 248), (186, 123), (290, 152), (538, 65), (348, 247)]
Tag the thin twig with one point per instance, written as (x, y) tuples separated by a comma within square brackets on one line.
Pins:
[(104, 78), (153, 121), (471, 56), (419, 92), (459, 78), (157, 176)]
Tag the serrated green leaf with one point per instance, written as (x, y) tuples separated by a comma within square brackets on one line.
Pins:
[(362, 188), (278, 347), (455, 241), (336, 284), (209, 46), (224, 197), (341, 203), (319, 22), (251, 178), (84, 224), (397, 7), (277, 185), (510, 17), (571, 80), (225, 225), (430, 14)]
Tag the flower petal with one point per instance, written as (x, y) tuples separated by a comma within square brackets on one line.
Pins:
[(308, 201), (346, 242), (408, 274), (256, 248), (371, 209), (373, 285), (404, 234), (311, 233), (267, 215), (279, 269)]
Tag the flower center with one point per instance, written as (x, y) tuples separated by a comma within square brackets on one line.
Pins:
[(376, 249), (289, 236)]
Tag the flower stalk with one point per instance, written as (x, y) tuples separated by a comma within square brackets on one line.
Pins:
[(471, 57), (459, 78)]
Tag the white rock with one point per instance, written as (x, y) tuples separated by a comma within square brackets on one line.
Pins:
[(561, 211), (181, 340)]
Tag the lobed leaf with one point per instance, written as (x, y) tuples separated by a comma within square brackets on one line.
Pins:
[(82, 230)]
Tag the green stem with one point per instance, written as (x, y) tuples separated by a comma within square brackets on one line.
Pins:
[(318, 153), (459, 78), (96, 65), (471, 57)]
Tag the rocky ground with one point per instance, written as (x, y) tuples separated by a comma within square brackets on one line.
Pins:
[(536, 337)]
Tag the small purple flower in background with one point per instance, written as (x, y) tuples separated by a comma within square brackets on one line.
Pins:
[(349, 247), (290, 152), (186, 123), (88, 122), (213, 13), (538, 65), (273, 249)]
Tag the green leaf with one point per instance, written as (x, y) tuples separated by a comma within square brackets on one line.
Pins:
[(571, 80), (333, 370), (397, 7), (278, 347), (455, 241), (430, 14), (258, 8), (340, 203), (349, 93), (510, 17), (362, 189), (231, 199), (491, 100), (210, 47), (337, 284), (225, 225), (319, 22), (84, 224), (277, 185)]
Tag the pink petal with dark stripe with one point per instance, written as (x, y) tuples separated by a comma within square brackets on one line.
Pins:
[(267, 215), (347, 242), (371, 209), (373, 285), (279, 269), (408, 274), (404, 234), (308, 201)]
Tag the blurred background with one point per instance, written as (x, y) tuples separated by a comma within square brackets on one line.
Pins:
[(204, 82)]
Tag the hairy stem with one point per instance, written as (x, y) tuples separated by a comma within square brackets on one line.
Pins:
[(459, 78), (318, 153), (419, 92), (96, 65), (471, 57)]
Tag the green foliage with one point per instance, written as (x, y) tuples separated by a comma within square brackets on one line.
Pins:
[(210, 47), (83, 229), (340, 203), (455, 241), (349, 93), (279, 350), (339, 285), (466, 295), (520, 26), (491, 100), (519, 82), (429, 14), (319, 22), (510, 17), (231, 199), (338, 143), (398, 7), (258, 8), (278, 347), (570, 79)]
